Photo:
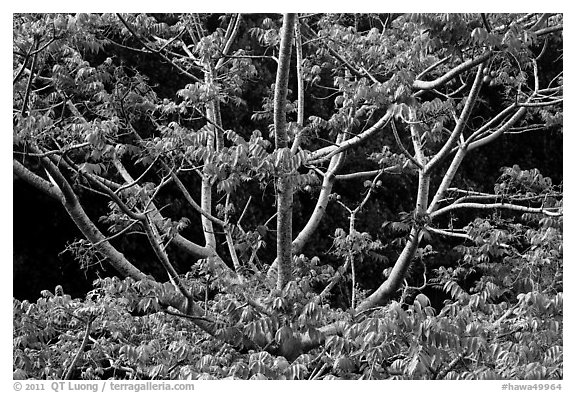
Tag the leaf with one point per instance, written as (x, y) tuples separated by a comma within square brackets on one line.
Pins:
[(94, 169), (423, 300), (479, 35), (296, 371), (283, 334), (258, 376), (343, 364)]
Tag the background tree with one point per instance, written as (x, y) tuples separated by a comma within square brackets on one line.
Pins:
[(387, 110)]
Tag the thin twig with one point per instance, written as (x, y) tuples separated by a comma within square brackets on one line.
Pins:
[(125, 186), (433, 66), (68, 374), (30, 78), (401, 145), (193, 77), (116, 234), (193, 203), (449, 367), (21, 71), (244, 211)]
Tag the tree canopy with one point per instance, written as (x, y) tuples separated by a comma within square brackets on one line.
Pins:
[(298, 196)]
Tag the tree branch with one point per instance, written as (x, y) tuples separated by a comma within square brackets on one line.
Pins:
[(401, 145), (326, 153), (473, 144), (76, 359), (448, 177), (548, 30), (489, 206), (112, 195), (321, 204), (230, 36), (338, 57), (233, 254), (389, 287), (356, 175), (449, 233), (339, 274), (500, 116), (157, 245), (23, 67), (85, 224), (416, 139), (540, 104), (433, 66), (181, 242), (183, 71), (193, 203), (30, 78), (428, 85), (461, 123), (136, 181), (300, 79), (33, 179), (319, 208)]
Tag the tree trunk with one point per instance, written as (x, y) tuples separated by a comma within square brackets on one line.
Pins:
[(214, 142), (284, 184)]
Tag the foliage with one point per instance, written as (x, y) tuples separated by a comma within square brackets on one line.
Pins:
[(467, 339), (182, 153)]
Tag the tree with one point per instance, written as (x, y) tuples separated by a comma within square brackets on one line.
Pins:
[(412, 95)]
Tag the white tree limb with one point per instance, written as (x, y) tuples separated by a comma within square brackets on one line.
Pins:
[(428, 85), (327, 152), (503, 206)]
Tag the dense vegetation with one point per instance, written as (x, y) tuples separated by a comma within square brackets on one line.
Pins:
[(374, 196)]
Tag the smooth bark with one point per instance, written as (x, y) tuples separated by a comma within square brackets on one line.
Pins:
[(284, 183), (454, 72), (86, 225)]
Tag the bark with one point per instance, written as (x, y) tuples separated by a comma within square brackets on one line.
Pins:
[(284, 184), (36, 181), (448, 177), (233, 254), (93, 234), (87, 226), (454, 72), (80, 352), (230, 37), (321, 204), (553, 212), (193, 203), (192, 248), (215, 142), (179, 241), (491, 137), (206, 204), (388, 289), (300, 79), (159, 249), (423, 190), (317, 215), (328, 152), (462, 120)]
